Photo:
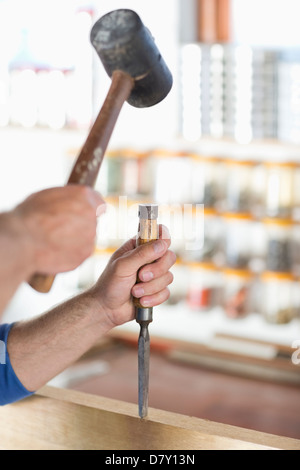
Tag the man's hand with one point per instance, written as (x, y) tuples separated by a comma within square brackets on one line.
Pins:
[(42, 347), (60, 226), (117, 285)]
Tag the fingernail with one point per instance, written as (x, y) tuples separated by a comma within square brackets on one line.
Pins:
[(146, 303), (100, 210), (147, 276), (138, 292), (159, 246)]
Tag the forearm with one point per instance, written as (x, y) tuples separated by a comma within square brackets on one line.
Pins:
[(42, 347), (16, 257)]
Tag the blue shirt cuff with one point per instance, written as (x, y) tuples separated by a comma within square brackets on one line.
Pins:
[(11, 389)]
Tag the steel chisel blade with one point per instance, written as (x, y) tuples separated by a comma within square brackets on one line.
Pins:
[(143, 369)]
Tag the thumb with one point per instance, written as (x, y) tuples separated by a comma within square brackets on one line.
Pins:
[(132, 261)]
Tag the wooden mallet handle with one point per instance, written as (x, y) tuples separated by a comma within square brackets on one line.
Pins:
[(88, 163)]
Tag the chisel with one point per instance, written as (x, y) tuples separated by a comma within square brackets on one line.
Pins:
[(148, 230)]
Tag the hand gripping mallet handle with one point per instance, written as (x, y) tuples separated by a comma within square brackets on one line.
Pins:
[(87, 166), (139, 76)]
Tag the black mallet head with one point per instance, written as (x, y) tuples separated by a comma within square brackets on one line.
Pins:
[(124, 43)]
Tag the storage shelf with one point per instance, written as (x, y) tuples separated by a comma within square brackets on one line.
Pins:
[(183, 323)]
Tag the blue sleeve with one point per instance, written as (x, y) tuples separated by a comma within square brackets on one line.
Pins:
[(11, 389)]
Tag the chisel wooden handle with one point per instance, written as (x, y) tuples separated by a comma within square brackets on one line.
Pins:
[(147, 232), (88, 163)]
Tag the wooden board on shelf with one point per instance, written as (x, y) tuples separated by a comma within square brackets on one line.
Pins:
[(65, 419)]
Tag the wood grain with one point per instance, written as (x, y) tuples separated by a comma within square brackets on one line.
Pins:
[(70, 420)]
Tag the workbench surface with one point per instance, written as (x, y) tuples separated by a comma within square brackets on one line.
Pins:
[(67, 419)]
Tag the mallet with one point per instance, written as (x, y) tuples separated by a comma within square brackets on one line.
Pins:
[(139, 76)]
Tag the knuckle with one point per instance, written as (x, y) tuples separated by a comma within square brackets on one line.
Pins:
[(118, 266), (141, 252), (167, 293), (162, 296), (171, 277), (81, 195), (173, 257), (91, 197), (81, 190)]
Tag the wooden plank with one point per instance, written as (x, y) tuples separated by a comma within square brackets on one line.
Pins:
[(67, 419)]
